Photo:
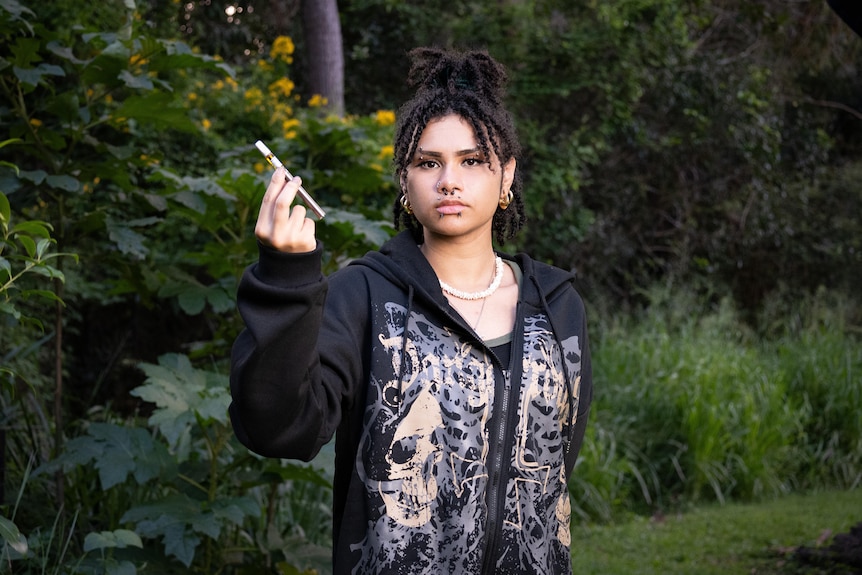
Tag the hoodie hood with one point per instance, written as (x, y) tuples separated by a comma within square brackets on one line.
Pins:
[(401, 262)]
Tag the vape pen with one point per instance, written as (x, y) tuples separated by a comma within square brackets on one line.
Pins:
[(276, 163)]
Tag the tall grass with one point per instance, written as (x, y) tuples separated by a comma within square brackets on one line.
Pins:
[(693, 405)]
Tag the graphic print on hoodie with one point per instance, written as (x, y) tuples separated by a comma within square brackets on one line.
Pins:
[(423, 454)]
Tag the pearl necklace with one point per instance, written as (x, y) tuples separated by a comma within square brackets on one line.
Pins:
[(495, 283)]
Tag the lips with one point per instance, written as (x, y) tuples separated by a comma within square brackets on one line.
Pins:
[(450, 207)]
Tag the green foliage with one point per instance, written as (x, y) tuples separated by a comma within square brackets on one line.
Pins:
[(664, 140), (691, 407), (196, 500), (135, 153), (13, 539), (24, 252)]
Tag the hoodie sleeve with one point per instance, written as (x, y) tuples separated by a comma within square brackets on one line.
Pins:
[(292, 371)]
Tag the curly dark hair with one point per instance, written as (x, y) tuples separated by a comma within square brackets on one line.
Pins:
[(471, 85)]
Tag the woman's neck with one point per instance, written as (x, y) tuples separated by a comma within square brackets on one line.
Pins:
[(466, 266)]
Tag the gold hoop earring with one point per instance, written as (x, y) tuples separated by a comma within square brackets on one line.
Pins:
[(405, 203), (504, 202)]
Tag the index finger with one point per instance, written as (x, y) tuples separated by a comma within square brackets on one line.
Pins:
[(278, 191)]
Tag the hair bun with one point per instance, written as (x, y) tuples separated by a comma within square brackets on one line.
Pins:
[(474, 71)]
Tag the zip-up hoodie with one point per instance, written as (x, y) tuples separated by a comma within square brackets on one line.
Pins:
[(447, 461)]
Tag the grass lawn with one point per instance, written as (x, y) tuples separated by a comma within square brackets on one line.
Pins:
[(731, 539)]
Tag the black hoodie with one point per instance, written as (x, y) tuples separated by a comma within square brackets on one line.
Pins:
[(446, 459)]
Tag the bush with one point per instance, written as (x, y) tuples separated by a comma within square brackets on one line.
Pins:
[(692, 406)]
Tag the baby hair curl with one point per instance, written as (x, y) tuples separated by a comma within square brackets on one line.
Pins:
[(470, 85)]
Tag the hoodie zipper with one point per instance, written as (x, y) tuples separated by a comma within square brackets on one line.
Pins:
[(501, 446)]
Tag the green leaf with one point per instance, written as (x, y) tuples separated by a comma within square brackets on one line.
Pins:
[(179, 55), (12, 536), (176, 519), (193, 300), (156, 108), (15, 9), (33, 76), (35, 176), (26, 51), (180, 392), (10, 309), (63, 182), (220, 300), (191, 200), (34, 228), (28, 243), (117, 539), (5, 209), (236, 509), (64, 52), (117, 452), (127, 240), (179, 541), (47, 294), (128, 451), (141, 82), (42, 246)]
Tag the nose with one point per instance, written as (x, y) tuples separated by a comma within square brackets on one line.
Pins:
[(449, 183)]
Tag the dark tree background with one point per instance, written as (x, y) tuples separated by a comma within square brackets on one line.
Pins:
[(703, 143)]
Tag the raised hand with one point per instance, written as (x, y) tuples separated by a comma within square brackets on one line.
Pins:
[(280, 225)]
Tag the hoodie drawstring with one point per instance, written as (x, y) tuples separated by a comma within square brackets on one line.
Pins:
[(569, 385), (404, 338)]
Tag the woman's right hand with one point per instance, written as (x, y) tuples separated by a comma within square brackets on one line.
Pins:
[(279, 225)]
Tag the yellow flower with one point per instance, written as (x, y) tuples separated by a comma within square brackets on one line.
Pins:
[(219, 85), (317, 101), (35, 122), (384, 117), (264, 65), (253, 96), (288, 128), (192, 96), (206, 124), (281, 87), (137, 60), (259, 167), (282, 49), (386, 152), (232, 83)]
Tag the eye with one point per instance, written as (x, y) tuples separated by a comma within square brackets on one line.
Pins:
[(475, 161), (426, 163)]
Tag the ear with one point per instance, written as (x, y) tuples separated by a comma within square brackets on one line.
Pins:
[(508, 177)]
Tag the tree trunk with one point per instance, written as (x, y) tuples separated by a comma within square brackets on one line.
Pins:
[(322, 29)]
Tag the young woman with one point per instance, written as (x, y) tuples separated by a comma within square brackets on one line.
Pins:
[(456, 379)]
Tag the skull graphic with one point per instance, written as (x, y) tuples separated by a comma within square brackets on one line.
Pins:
[(411, 488)]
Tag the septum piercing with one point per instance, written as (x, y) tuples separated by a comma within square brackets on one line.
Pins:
[(443, 191)]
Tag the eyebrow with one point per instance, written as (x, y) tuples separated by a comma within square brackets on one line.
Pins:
[(433, 154)]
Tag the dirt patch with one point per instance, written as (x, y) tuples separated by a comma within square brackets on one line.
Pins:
[(842, 557)]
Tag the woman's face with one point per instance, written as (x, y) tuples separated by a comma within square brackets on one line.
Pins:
[(453, 187)]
